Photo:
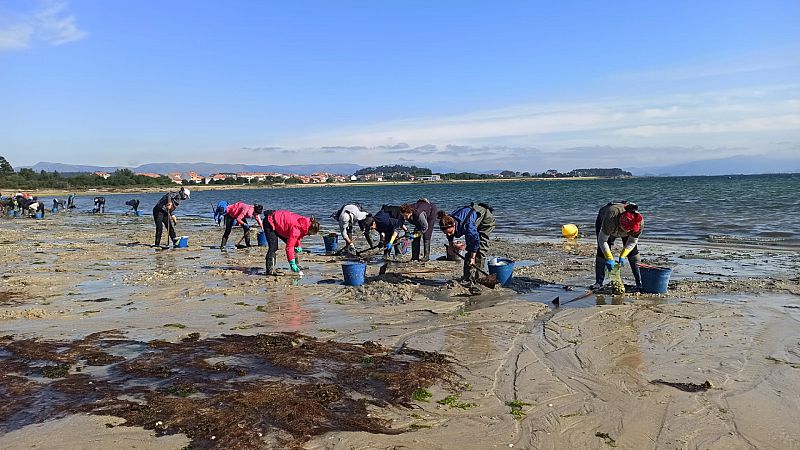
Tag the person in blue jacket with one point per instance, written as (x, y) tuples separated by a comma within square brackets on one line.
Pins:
[(219, 212), (475, 223)]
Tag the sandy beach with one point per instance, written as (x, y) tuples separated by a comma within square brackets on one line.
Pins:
[(107, 342)]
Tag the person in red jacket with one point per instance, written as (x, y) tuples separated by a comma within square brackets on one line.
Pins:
[(290, 228), (238, 213)]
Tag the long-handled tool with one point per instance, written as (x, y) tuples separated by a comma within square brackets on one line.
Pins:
[(557, 301), (487, 280)]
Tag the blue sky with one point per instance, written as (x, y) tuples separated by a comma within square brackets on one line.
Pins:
[(525, 85)]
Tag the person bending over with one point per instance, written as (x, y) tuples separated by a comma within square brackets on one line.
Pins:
[(389, 221), (238, 213), (475, 223), (219, 212), (290, 228), (164, 214), (348, 216), (618, 220), (422, 218), (134, 204)]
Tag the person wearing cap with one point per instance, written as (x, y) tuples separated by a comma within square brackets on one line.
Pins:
[(618, 220), (164, 215), (219, 212), (238, 213)]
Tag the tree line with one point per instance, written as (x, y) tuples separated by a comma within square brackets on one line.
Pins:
[(28, 179)]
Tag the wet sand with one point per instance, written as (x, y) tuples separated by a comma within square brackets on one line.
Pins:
[(597, 372)]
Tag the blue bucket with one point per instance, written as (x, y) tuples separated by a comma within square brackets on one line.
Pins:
[(139, 213), (331, 242), (262, 239), (38, 215), (502, 268), (655, 280), (54, 210), (354, 273), (183, 242)]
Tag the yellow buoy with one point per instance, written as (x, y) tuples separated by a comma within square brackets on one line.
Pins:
[(569, 230)]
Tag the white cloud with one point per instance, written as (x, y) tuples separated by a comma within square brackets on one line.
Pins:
[(51, 24)]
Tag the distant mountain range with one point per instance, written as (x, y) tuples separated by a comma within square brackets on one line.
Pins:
[(203, 168), (734, 165)]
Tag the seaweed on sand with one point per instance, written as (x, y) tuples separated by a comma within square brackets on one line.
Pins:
[(233, 391)]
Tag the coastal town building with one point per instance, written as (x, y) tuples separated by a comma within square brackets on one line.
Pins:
[(103, 175)]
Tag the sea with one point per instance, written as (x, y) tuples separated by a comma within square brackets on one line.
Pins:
[(746, 209)]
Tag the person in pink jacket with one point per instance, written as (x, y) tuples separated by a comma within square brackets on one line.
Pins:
[(290, 228), (238, 213)]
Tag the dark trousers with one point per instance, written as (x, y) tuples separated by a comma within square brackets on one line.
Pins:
[(229, 222), (272, 240), (486, 225), (162, 220), (600, 259)]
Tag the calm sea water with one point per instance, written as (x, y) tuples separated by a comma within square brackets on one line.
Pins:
[(762, 208)]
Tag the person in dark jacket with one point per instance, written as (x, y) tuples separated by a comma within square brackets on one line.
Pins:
[(475, 223), (618, 220), (164, 215), (134, 204), (99, 205), (422, 218), (388, 221)]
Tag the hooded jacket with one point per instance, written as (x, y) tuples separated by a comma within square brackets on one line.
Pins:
[(389, 219), (349, 217), (608, 225), (219, 211), (291, 227)]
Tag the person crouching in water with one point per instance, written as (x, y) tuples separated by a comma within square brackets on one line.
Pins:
[(389, 221), (475, 223), (238, 213), (422, 218), (219, 212), (618, 220), (134, 204), (290, 228), (164, 214), (348, 216)]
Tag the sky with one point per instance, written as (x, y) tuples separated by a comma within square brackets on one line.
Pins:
[(470, 85)]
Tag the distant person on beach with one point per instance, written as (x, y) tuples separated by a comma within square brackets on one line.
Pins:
[(290, 228), (422, 218), (164, 215), (59, 204), (618, 220), (99, 205), (475, 223), (238, 213), (389, 221), (71, 201), (348, 216), (219, 212), (134, 204)]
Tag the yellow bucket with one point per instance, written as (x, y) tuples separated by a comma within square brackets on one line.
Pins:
[(569, 230)]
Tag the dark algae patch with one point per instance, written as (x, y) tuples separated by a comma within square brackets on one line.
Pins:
[(233, 391), (686, 387)]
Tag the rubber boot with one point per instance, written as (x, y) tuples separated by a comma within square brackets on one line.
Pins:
[(635, 261), (426, 256), (270, 265), (599, 272), (468, 276), (223, 244), (415, 249)]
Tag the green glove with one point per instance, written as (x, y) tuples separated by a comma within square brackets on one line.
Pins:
[(298, 249), (293, 265)]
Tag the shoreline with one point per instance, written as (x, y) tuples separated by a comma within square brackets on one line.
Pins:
[(103, 190)]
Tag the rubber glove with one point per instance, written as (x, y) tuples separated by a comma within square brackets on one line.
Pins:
[(621, 261), (610, 263), (389, 246), (298, 249), (416, 234), (293, 265)]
